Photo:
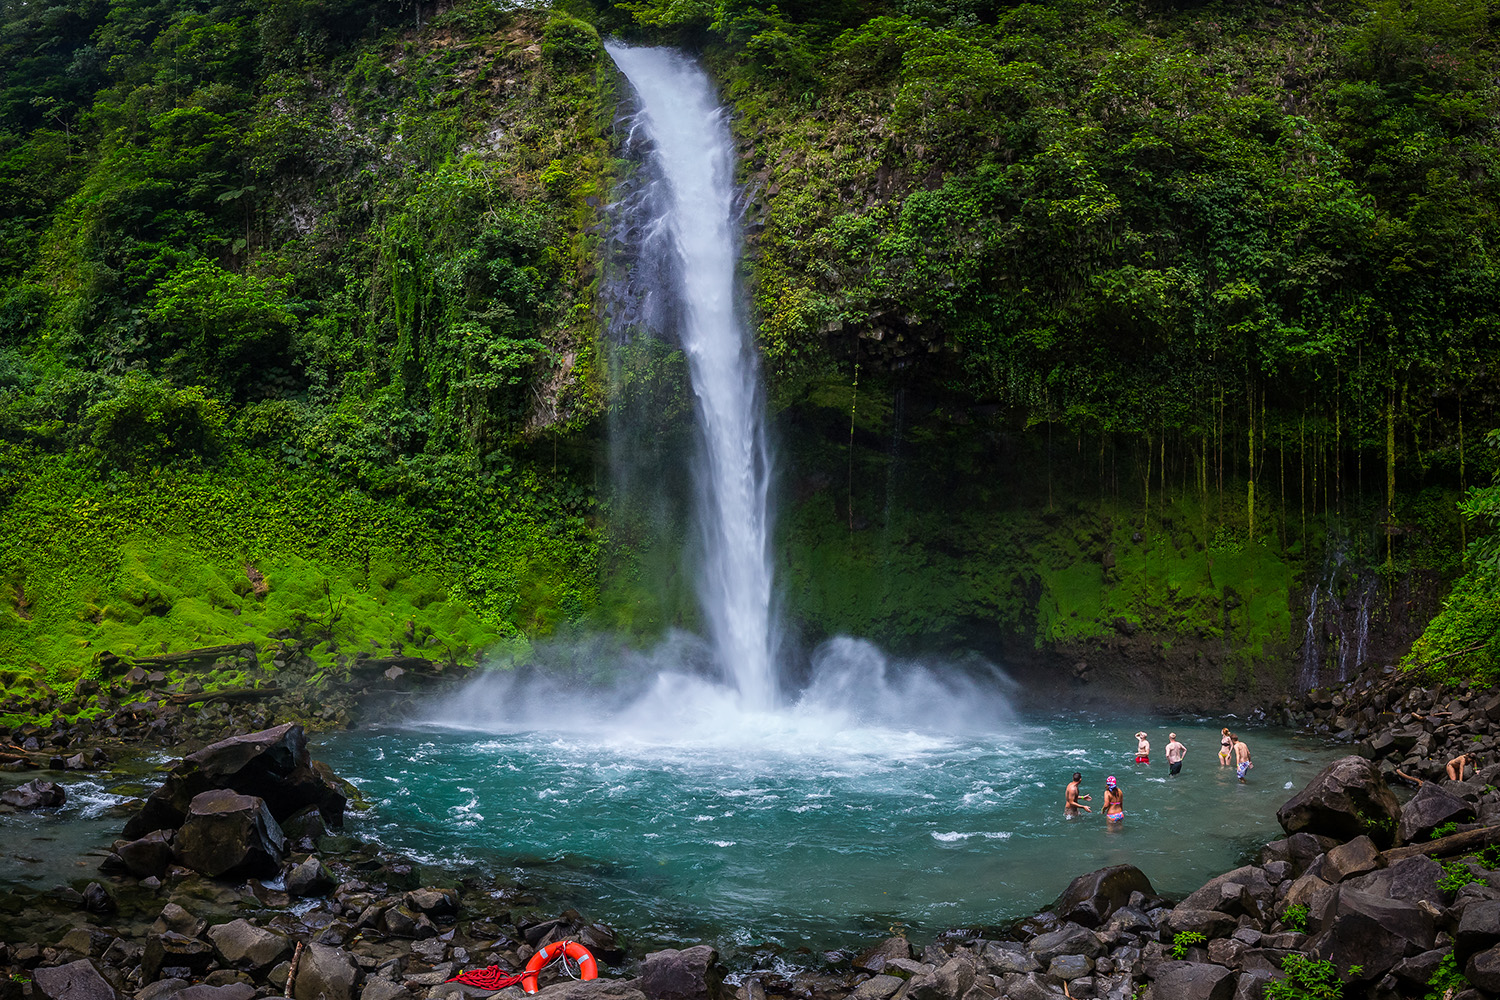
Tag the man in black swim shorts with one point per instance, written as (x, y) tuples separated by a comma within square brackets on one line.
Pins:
[(1175, 752)]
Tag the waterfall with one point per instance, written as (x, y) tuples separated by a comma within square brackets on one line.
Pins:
[(695, 221)]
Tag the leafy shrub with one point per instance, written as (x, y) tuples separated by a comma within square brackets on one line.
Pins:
[(1443, 830), (149, 423), (1295, 918), (1307, 979), (1456, 875), (569, 41), (1182, 942), (1447, 980)]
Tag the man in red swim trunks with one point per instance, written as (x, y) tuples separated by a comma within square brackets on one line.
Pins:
[(1142, 749)]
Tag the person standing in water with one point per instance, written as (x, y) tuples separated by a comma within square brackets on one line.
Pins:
[(1114, 801), (1142, 749), (1242, 759), (1226, 746), (1175, 752), (1072, 801)]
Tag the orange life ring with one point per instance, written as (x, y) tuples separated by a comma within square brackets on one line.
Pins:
[(587, 967)]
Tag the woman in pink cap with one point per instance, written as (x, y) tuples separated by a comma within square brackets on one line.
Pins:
[(1114, 800)]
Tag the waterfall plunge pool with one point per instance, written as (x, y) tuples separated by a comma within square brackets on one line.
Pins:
[(874, 801)]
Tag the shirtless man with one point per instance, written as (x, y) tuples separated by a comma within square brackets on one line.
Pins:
[(1142, 749), (1071, 799), (1241, 759), (1456, 766), (1175, 752)]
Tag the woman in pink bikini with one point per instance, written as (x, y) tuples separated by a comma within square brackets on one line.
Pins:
[(1114, 801)]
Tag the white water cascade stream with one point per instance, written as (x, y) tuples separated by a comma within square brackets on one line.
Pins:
[(692, 152)]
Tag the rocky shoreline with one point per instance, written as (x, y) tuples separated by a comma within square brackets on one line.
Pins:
[(232, 880)]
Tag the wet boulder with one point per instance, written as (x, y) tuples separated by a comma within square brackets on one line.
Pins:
[(1411, 879), (228, 833), (74, 981), (1346, 799), (242, 945), (1429, 809), (1243, 890), (310, 878), (876, 958), (35, 794), (1478, 928), (272, 765), (1090, 900), (1371, 932), (1209, 923), (1299, 851), (1483, 970), (171, 950), (1192, 981), (949, 981), (686, 974), (1357, 857), (1069, 939), (325, 973), (146, 856)]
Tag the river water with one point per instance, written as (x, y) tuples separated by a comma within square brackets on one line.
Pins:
[(884, 796)]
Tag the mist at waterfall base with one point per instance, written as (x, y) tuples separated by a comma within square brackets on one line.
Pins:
[(884, 794)]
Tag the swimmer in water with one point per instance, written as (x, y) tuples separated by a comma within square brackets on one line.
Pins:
[(1142, 749), (1242, 759), (1226, 746), (1175, 752), (1072, 801), (1114, 801)]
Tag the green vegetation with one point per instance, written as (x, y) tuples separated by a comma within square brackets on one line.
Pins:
[(1456, 875), (1308, 979), (1447, 979), (1176, 296), (1443, 830), (1182, 942), (1295, 918), (295, 306)]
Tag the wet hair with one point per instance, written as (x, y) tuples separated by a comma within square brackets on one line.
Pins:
[(1077, 776), (1171, 736)]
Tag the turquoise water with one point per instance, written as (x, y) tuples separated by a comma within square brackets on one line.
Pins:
[(884, 796)]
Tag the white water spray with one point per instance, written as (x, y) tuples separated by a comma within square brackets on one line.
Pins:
[(693, 155)]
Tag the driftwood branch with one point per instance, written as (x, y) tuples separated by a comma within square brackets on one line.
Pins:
[(188, 655), (291, 972), (1447, 847)]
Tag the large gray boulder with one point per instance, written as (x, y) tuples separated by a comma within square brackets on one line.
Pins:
[(1483, 970), (876, 958), (1478, 929), (1209, 923), (228, 833), (1347, 798), (1371, 932), (685, 974), (1411, 879), (74, 981), (1090, 899), (949, 981), (1192, 981), (146, 856), (310, 878), (325, 973), (1069, 939), (1244, 890), (170, 949), (242, 945), (593, 989), (1429, 809), (272, 765), (35, 794)]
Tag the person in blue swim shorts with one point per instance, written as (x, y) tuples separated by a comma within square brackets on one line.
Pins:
[(1241, 759)]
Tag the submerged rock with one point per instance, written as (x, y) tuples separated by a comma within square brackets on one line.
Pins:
[(35, 794)]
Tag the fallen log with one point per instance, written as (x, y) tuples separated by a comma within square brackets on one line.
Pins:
[(191, 655), (1449, 846), (227, 695)]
